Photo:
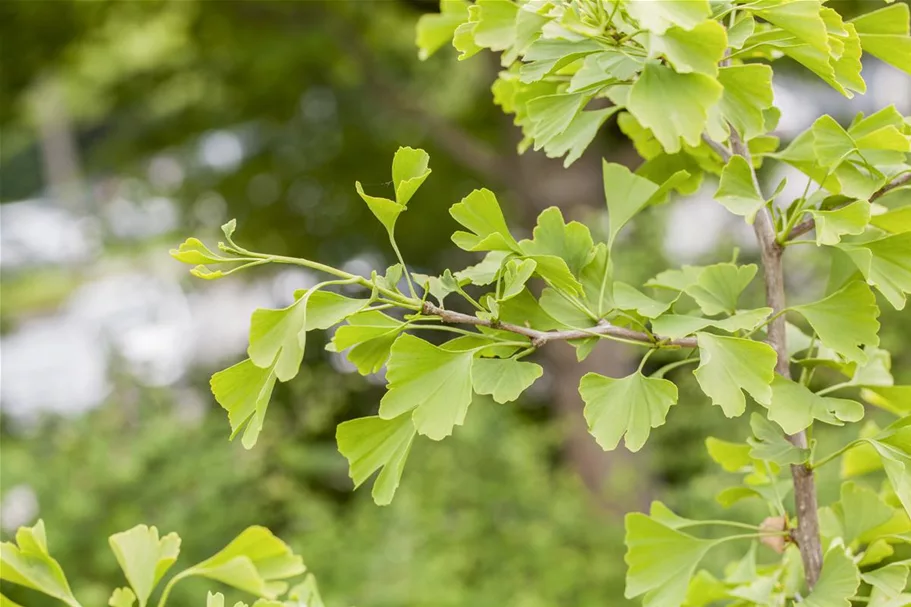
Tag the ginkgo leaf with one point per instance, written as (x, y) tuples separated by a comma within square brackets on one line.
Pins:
[(627, 194), (604, 67), (832, 225), (573, 141), (369, 335), (595, 279), (554, 270), (769, 444), (660, 560), (693, 95), (192, 251), (433, 382), (719, 286), (896, 399), (480, 212), (798, 17), (255, 561), (626, 297), (838, 581), (732, 457), (503, 378), (28, 563), (884, 33), (885, 264), (897, 464), (547, 55), (747, 95), (676, 279), (860, 510), (244, 390), (121, 597), (551, 115), (630, 406), (409, 170), (496, 24), (657, 15), (571, 242), (144, 558), (515, 274), (831, 142), (695, 50), (737, 190), (845, 320), (729, 365), (434, 30), (794, 407), (387, 211), (485, 271), (278, 337), (372, 443)]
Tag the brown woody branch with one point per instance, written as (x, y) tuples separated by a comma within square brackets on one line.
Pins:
[(806, 226), (540, 338)]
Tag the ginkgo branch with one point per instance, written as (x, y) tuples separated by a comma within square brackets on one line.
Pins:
[(540, 338)]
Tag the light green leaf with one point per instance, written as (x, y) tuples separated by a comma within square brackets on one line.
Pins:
[(144, 558), (515, 274), (693, 95), (681, 325), (244, 390), (255, 561), (747, 95), (838, 581), (696, 50), (831, 142), (876, 372), (432, 382), (737, 191), (886, 264), (732, 457), (28, 563), (630, 406), (676, 280), (743, 320), (571, 242), (897, 464), (719, 287), (463, 38), (409, 170), (595, 279), (602, 68), (547, 55), (884, 33), (573, 141), (387, 211), (658, 16), (729, 365), (436, 29), (555, 271), (832, 225), (480, 212), (770, 444), (484, 272), (121, 597), (193, 251), (660, 560), (369, 335), (627, 194), (503, 378), (896, 399), (798, 17), (845, 320), (306, 594), (860, 510), (627, 297), (794, 407), (551, 115), (496, 24), (372, 443)]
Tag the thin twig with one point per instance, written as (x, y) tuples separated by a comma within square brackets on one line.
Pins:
[(540, 338)]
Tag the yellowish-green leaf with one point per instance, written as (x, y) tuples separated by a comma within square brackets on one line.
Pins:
[(480, 212), (244, 390), (794, 407), (28, 563), (503, 378), (144, 558), (838, 581), (845, 320), (695, 50), (372, 443), (886, 264), (737, 190), (884, 33), (732, 457), (832, 225), (436, 29), (719, 286), (369, 335), (658, 16), (770, 444), (730, 365), (630, 406)]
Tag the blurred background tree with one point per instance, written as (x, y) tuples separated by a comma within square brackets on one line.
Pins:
[(128, 125)]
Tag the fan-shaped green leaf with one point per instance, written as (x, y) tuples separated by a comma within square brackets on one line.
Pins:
[(255, 561), (436, 29), (832, 225), (837, 583), (244, 390), (630, 406), (693, 95), (480, 212), (747, 96), (659, 16), (121, 597), (886, 264), (144, 558), (433, 382), (627, 194), (845, 320), (409, 170), (737, 191), (372, 443), (28, 563), (503, 378), (719, 287), (729, 365), (794, 407), (860, 510), (769, 444), (369, 335), (627, 297), (884, 33), (732, 457), (695, 50), (572, 242)]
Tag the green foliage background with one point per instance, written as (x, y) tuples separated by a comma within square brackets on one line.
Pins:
[(504, 513)]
